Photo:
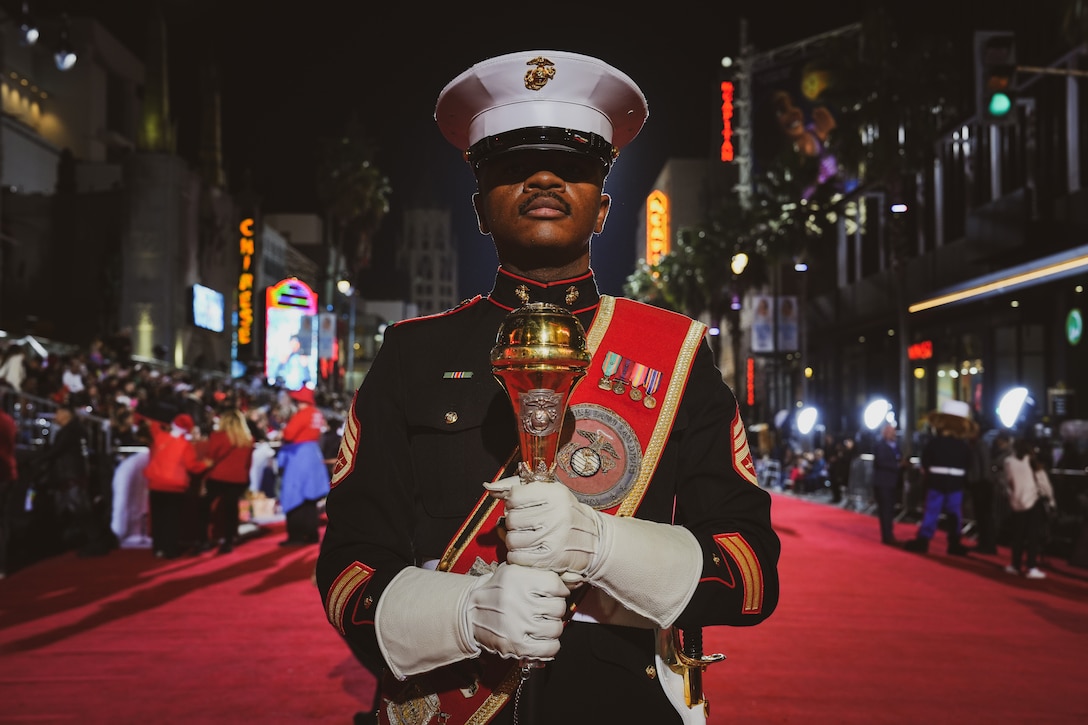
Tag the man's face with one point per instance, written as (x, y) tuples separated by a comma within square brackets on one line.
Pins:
[(889, 433), (541, 207)]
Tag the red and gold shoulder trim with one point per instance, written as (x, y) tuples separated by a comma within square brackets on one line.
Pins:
[(464, 303)]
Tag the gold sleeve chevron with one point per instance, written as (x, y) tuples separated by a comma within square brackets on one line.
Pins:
[(351, 580), (742, 454), (349, 444), (751, 575)]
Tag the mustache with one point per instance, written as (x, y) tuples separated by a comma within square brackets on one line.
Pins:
[(524, 206)]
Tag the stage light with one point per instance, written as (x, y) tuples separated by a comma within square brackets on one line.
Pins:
[(1012, 405), (806, 420), (876, 413)]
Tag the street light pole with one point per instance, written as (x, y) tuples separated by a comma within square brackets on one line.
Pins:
[(802, 332), (776, 393), (346, 288), (351, 342)]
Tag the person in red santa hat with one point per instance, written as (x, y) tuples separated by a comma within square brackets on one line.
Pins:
[(304, 477), (172, 459)]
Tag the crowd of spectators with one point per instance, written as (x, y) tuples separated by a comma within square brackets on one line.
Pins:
[(112, 385), (120, 397)]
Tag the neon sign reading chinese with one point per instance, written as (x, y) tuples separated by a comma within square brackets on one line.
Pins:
[(246, 249)]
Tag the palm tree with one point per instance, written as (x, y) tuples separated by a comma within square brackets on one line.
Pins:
[(354, 193)]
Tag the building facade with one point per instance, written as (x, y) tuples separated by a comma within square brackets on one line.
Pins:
[(966, 284)]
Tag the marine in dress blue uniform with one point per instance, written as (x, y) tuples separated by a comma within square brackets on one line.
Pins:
[(430, 425), (945, 460)]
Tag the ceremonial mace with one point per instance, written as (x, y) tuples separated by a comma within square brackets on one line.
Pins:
[(539, 356)]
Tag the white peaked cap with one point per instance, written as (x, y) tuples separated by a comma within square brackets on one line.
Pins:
[(541, 89)]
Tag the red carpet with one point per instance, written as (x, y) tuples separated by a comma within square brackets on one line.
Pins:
[(864, 634)]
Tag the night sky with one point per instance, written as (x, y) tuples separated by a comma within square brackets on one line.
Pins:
[(294, 75)]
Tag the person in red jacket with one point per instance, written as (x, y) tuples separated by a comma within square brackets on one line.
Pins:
[(171, 461), (230, 445), (304, 477)]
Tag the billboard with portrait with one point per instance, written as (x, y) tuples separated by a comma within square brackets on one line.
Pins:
[(291, 335), (765, 326)]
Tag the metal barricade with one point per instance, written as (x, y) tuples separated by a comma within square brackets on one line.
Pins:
[(859, 484), (35, 429), (912, 502), (769, 473)]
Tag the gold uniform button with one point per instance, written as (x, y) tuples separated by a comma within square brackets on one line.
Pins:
[(451, 417)]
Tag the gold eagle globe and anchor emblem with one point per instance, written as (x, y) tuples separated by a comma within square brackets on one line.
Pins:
[(602, 460), (538, 77), (598, 455)]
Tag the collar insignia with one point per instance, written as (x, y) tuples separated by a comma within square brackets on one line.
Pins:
[(572, 295)]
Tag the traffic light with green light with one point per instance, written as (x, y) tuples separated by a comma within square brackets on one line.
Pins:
[(995, 71)]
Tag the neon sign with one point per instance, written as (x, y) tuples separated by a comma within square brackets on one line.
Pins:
[(657, 226), (246, 249), (727, 121), (920, 350), (751, 382)]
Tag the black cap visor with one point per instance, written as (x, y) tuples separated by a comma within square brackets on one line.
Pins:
[(542, 137)]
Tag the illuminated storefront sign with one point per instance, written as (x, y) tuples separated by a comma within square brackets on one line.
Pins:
[(657, 226), (291, 334), (920, 350), (246, 250), (727, 121), (1074, 326)]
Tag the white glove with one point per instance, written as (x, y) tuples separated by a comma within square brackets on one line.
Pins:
[(518, 612), (547, 528), (648, 567), (427, 619)]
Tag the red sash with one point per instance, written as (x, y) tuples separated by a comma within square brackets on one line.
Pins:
[(623, 411)]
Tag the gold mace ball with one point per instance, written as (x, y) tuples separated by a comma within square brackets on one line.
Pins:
[(540, 334)]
